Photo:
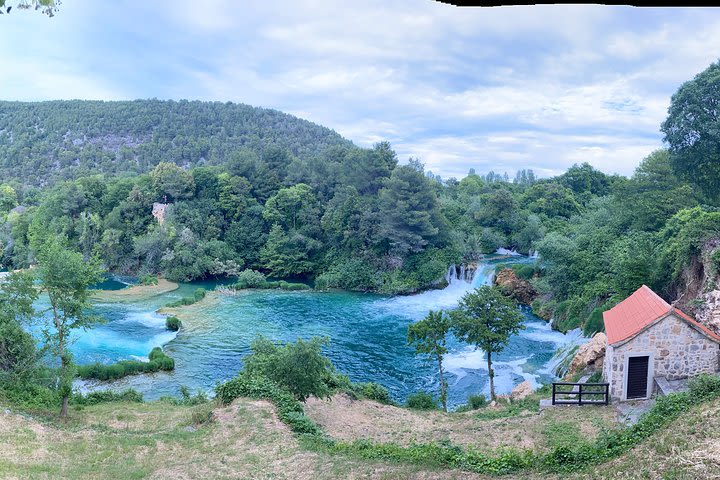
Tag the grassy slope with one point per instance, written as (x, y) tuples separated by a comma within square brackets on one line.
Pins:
[(246, 440)]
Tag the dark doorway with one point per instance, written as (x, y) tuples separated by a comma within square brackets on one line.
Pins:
[(637, 377)]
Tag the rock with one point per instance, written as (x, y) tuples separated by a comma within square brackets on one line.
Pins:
[(514, 286), (590, 354), (493, 404), (522, 390), (158, 211)]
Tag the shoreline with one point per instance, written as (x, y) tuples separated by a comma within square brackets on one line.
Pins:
[(135, 293)]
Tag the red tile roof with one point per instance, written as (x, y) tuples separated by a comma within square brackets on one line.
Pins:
[(639, 310)]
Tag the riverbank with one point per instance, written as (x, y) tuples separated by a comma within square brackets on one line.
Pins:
[(135, 293)]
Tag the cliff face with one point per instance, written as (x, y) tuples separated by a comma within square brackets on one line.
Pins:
[(516, 287), (698, 291)]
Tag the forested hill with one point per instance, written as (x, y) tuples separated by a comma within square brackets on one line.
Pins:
[(42, 142)]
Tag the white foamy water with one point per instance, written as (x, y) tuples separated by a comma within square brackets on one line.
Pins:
[(417, 306)]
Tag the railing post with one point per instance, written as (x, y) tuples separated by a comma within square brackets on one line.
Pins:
[(553, 394), (580, 393)]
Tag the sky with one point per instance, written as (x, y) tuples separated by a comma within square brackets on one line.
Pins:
[(502, 88)]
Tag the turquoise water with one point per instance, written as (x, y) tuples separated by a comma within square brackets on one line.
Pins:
[(367, 340)]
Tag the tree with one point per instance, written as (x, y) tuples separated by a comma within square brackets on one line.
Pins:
[(692, 133), (487, 319), (17, 347), (428, 337), (48, 7), (172, 181), (65, 276), (407, 204)]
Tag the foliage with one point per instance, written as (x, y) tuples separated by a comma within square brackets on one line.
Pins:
[(198, 295), (298, 367), (372, 391), (250, 279), (691, 130), (18, 356), (173, 323), (148, 279), (474, 402), (66, 277), (421, 401), (106, 396), (290, 410), (158, 361), (428, 337), (487, 319)]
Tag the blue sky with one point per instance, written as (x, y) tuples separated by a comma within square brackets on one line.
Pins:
[(500, 89)]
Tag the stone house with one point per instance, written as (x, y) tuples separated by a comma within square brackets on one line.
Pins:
[(649, 342)]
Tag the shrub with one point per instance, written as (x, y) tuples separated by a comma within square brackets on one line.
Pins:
[(298, 367), (373, 391), (474, 402), (158, 361), (199, 294), (290, 410), (202, 414), (421, 401), (104, 396), (594, 323), (148, 279), (250, 279), (173, 324)]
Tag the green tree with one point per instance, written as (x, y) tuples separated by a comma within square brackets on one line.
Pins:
[(65, 276), (408, 205), (17, 347), (487, 319), (172, 181), (692, 133), (428, 336)]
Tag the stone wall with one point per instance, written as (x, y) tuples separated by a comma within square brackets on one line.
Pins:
[(678, 351)]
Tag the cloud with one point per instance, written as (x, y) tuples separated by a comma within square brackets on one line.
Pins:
[(500, 89)]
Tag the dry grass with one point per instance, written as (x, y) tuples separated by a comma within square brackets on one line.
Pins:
[(347, 419), (155, 440), (247, 441)]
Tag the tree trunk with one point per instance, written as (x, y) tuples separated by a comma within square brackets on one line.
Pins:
[(443, 385), (64, 409), (491, 374), (63, 376)]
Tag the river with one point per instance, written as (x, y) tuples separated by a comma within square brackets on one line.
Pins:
[(367, 339)]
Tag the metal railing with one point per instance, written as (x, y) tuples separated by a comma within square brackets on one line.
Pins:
[(580, 393)]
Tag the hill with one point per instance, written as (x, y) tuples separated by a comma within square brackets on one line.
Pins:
[(41, 142)]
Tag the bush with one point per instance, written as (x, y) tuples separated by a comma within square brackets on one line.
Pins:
[(290, 410), (105, 396), (158, 361), (148, 279), (372, 391), (594, 323), (173, 324), (421, 401), (298, 367), (199, 294), (250, 279)]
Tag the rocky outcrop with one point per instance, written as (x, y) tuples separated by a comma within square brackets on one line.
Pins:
[(697, 292), (514, 286), (523, 390), (158, 211), (589, 356)]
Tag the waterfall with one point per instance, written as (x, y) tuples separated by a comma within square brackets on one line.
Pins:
[(451, 274), (462, 272)]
